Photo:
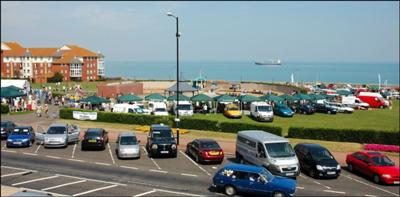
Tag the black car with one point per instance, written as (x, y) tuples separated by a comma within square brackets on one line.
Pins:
[(95, 138), (324, 108), (317, 161), (305, 109), (161, 141), (6, 128)]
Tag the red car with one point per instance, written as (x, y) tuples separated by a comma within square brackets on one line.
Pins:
[(205, 150), (375, 165)]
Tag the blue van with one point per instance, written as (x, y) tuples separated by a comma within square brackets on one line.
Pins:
[(234, 178)]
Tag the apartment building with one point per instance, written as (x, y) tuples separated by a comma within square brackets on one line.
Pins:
[(39, 64)]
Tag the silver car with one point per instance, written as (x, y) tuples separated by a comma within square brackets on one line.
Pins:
[(127, 146), (58, 135)]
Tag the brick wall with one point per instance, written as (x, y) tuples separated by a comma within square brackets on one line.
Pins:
[(112, 91)]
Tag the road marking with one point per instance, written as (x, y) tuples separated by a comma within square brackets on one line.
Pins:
[(155, 163), (14, 168), (333, 191), (95, 180), (32, 154), (4, 147), (104, 164), (73, 151), (351, 178), (173, 192), (370, 195), (62, 185), (184, 174), (34, 190), (214, 167), (37, 148), (54, 157), (17, 173), (34, 180), (129, 167), (160, 171), (112, 158), (9, 151), (145, 151), (195, 163), (145, 193), (78, 160), (304, 177), (94, 190), (327, 187), (299, 187)]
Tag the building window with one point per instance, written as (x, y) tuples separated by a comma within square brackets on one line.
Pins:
[(35, 72), (8, 65), (41, 71), (8, 71)]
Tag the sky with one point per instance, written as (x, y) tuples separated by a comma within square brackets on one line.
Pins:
[(211, 31)]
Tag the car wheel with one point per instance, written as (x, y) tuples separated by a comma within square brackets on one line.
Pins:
[(30, 143), (312, 173), (197, 159), (304, 112), (278, 194), (350, 167), (230, 190), (376, 179), (329, 112)]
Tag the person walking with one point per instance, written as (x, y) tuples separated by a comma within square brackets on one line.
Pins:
[(39, 111), (46, 110), (205, 108)]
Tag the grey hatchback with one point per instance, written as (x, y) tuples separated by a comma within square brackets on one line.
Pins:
[(127, 146)]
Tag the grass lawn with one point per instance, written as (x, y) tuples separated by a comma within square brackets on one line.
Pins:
[(86, 86), (21, 112), (377, 119)]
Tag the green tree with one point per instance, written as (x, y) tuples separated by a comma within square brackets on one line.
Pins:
[(56, 78)]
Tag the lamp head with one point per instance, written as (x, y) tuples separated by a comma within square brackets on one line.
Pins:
[(169, 13)]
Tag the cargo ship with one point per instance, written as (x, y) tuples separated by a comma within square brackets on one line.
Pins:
[(269, 62)]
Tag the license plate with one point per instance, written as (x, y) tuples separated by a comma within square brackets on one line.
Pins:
[(396, 182), (164, 152), (214, 153), (331, 173), (17, 142), (94, 141), (290, 174)]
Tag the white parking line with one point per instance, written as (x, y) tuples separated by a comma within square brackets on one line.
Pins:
[(14, 174), (104, 164), (336, 192), (34, 180), (14, 168), (351, 178), (144, 149), (73, 151), (370, 195), (4, 147), (95, 180), (184, 174), (155, 163), (62, 185), (173, 192), (327, 187), (32, 154), (299, 187), (144, 193), (94, 190), (109, 149), (37, 148), (34, 190), (78, 160), (9, 151), (129, 167), (195, 163), (160, 171), (53, 157)]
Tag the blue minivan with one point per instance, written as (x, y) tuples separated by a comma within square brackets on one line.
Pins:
[(238, 178)]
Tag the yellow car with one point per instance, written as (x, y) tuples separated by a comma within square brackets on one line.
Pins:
[(232, 111)]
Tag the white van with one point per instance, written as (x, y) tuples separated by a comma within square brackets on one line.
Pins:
[(185, 108), (354, 101), (127, 108), (158, 108), (268, 150), (261, 111)]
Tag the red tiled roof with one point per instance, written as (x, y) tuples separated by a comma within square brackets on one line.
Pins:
[(16, 49)]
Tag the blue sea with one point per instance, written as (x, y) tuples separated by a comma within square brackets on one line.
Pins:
[(355, 73)]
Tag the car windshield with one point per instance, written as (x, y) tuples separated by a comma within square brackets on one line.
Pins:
[(264, 108), (160, 110), (139, 110), (210, 145), (20, 131), (184, 107), (382, 161), (165, 133), (321, 154), (128, 140), (282, 149), (56, 130)]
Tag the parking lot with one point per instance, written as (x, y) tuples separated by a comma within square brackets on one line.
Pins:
[(183, 167)]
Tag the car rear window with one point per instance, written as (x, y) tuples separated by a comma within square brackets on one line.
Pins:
[(210, 145), (93, 133), (56, 130), (128, 140)]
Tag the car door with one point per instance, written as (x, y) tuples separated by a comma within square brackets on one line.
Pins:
[(260, 155), (73, 134), (240, 180), (194, 149), (40, 134), (259, 186)]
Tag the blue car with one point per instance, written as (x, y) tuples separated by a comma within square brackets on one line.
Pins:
[(21, 136), (283, 110), (252, 180)]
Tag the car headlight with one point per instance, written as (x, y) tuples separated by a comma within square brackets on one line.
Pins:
[(24, 140), (338, 167), (319, 168), (154, 146), (386, 176), (9, 140), (173, 146)]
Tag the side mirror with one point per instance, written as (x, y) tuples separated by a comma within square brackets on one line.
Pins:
[(138, 141)]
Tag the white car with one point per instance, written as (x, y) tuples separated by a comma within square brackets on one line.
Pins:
[(342, 108), (58, 135)]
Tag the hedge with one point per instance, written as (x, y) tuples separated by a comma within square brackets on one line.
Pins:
[(234, 127), (5, 109), (199, 124), (346, 135)]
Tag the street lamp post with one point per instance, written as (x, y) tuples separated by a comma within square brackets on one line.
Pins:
[(177, 75)]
